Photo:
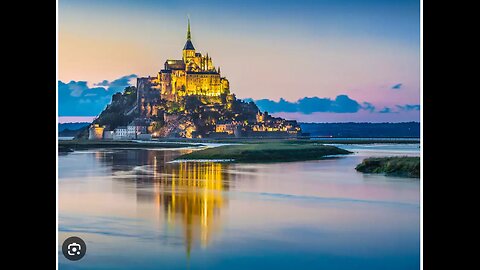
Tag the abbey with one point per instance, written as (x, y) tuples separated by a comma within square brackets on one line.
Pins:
[(194, 74)]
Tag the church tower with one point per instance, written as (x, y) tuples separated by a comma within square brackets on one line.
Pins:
[(188, 49)]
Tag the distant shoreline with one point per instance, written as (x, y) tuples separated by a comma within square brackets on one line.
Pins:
[(68, 140)]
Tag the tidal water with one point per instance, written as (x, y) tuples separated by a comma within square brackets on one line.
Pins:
[(137, 210)]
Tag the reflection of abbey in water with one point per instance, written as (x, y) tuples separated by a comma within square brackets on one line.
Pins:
[(192, 197), (189, 194)]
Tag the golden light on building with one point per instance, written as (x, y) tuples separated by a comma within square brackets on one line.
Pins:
[(183, 83), (194, 74), (95, 132)]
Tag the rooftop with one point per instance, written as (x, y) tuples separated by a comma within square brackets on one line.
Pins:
[(188, 45)]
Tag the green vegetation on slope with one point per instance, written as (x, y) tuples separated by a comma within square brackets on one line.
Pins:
[(114, 114), (267, 152), (392, 166)]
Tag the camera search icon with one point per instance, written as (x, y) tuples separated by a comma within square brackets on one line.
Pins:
[(74, 248)]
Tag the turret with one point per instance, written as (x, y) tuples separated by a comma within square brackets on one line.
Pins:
[(209, 63)]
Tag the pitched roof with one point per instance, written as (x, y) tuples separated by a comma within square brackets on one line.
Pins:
[(188, 45)]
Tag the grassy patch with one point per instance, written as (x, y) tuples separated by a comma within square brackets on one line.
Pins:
[(267, 152), (392, 166)]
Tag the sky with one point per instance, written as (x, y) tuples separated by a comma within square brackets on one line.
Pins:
[(308, 60)]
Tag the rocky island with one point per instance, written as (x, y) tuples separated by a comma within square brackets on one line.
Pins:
[(187, 98)]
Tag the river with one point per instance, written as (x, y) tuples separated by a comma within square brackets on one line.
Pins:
[(135, 209)]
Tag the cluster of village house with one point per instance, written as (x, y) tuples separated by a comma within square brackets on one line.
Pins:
[(264, 126), (137, 129)]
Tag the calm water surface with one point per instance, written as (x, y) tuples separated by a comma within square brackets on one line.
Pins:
[(137, 210)]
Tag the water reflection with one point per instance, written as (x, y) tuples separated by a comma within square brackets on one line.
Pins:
[(193, 198), (189, 194)]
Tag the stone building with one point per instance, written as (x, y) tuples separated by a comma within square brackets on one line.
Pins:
[(228, 127)]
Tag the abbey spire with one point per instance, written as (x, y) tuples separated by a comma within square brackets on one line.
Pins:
[(188, 49), (189, 35)]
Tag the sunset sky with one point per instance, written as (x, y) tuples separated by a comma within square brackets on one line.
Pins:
[(328, 60)]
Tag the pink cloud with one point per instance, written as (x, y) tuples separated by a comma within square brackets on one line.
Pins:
[(73, 119)]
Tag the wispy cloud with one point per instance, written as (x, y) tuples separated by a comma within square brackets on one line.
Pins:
[(386, 110), (397, 86), (368, 107), (409, 107), (118, 84)]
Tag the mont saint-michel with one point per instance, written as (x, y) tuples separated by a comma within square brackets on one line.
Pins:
[(188, 98), (252, 135)]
